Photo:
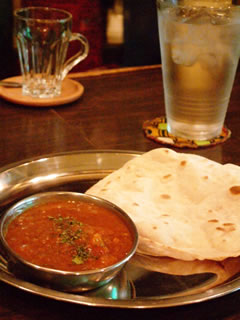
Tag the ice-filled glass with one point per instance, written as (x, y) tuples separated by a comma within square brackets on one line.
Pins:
[(43, 35), (200, 47)]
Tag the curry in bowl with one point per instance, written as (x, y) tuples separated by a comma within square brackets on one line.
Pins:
[(68, 234)]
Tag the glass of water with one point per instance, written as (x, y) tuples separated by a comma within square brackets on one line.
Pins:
[(200, 46)]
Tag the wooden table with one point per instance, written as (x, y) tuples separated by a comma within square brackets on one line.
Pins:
[(109, 115)]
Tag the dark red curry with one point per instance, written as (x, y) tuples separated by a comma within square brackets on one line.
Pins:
[(70, 236)]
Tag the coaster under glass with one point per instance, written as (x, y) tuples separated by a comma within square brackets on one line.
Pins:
[(156, 129)]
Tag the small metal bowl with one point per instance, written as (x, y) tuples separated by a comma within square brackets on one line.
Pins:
[(57, 279)]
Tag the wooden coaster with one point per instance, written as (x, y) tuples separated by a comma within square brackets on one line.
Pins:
[(71, 91)]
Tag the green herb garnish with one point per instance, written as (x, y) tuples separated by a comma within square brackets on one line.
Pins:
[(69, 231), (82, 255)]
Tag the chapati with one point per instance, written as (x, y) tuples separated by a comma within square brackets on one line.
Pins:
[(221, 271), (184, 206)]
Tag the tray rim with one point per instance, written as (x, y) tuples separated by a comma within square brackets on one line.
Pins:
[(135, 303), (59, 154)]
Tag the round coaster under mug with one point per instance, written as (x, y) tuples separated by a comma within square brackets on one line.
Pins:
[(71, 91)]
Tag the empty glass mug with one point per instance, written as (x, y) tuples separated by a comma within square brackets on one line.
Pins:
[(43, 35)]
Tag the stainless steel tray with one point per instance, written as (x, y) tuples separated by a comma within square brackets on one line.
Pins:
[(140, 284)]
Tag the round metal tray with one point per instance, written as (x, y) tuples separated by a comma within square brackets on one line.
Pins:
[(142, 283)]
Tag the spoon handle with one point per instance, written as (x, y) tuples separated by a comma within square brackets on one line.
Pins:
[(10, 84)]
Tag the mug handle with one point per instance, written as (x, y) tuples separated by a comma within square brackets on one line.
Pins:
[(79, 56)]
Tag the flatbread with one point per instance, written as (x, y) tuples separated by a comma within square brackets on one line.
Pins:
[(184, 206), (221, 271)]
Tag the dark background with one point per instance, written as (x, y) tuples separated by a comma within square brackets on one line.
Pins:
[(140, 45)]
